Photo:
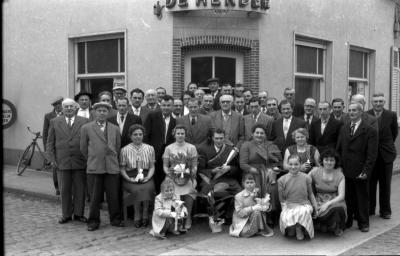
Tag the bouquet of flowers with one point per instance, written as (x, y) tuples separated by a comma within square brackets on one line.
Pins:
[(180, 168)]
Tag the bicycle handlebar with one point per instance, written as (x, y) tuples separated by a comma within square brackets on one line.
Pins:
[(37, 134)]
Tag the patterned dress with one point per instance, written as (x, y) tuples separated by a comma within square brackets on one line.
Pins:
[(131, 156), (186, 153), (304, 156), (295, 194)]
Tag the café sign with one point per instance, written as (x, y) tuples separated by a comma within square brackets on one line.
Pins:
[(9, 114), (235, 5)]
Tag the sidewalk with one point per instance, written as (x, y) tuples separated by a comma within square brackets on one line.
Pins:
[(40, 183)]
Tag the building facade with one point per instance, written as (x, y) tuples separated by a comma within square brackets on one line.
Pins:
[(323, 49)]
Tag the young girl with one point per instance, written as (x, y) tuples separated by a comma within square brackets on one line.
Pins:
[(249, 217), (166, 211), (297, 200)]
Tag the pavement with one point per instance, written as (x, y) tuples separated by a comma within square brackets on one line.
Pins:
[(32, 208)]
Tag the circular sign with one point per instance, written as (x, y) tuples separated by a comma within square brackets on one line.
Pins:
[(9, 114)]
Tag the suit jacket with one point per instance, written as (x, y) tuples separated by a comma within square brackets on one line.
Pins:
[(314, 118), (155, 132), (367, 118), (130, 119), (144, 111), (63, 143), (46, 125), (101, 149), (216, 105), (236, 134), (358, 152), (330, 136), (278, 136), (388, 132), (263, 119), (200, 131)]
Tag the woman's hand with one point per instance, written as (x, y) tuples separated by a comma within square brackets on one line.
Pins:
[(253, 170), (132, 180), (323, 207), (305, 167), (257, 207)]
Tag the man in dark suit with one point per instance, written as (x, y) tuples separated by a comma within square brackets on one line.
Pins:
[(63, 148), (272, 108), (229, 121), (298, 109), (177, 110), (159, 126), (137, 97), (57, 111), (100, 144), (199, 127), (239, 106), (256, 117), (84, 100), (338, 110), (325, 131), (368, 119), (309, 112), (207, 104), (358, 149), (283, 127), (119, 91), (213, 85), (124, 120), (382, 172), (263, 97), (151, 100)]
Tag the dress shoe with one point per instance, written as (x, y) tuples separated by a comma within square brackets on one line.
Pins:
[(386, 216), (338, 232), (118, 224), (145, 223), (364, 229), (93, 227), (137, 223), (80, 218), (64, 220)]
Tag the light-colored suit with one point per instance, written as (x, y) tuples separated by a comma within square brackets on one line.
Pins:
[(199, 132), (63, 148), (235, 133), (100, 151), (263, 119)]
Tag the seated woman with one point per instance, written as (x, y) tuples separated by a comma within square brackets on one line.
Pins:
[(329, 187), (168, 211), (180, 164), (249, 217), (297, 200), (308, 154), (261, 158), (135, 158)]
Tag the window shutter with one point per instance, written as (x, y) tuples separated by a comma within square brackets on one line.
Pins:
[(395, 81)]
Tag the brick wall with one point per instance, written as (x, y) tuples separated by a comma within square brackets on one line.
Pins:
[(249, 48)]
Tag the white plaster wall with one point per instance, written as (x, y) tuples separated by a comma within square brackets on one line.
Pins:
[(35, 48)]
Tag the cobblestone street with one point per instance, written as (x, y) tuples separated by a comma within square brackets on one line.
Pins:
[(31, 228)]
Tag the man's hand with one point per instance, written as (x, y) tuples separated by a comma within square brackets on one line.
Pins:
[(362, 176)]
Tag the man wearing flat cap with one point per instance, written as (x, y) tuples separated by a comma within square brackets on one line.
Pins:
[(213, 85), (84, 99), (119, 91), (57, 111), (100, 144)]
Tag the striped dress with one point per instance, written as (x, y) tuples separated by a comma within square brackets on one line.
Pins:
[(295, 195)]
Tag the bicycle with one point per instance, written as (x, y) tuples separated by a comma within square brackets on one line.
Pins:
[(26, 158)]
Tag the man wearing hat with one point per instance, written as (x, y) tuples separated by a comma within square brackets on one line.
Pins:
[(57, 111), (213, 85), (84, 98), (100, 144), (119, 91)]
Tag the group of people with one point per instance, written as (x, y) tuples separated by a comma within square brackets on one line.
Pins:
[(272, 163)]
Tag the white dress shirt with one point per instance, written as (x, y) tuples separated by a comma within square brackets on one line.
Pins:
[(286, 125), (84, 113)]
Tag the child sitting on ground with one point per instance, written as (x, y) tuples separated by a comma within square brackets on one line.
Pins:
[(249, 217), (297, 200), (169, 212)]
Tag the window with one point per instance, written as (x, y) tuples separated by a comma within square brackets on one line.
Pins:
[(99, 60), (202, 65), (358, 73), (310, 65)]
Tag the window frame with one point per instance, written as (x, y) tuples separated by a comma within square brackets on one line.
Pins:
[(98, 36)]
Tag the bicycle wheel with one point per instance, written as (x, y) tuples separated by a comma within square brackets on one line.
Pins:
[(25, 160)]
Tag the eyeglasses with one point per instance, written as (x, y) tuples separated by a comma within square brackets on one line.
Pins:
[(226, 102)]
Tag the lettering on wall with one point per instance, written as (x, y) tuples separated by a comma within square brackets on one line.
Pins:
[(236, 5), (9, 114)]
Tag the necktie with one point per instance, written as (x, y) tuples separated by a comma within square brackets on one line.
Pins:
[(193, 122), (352, 127), (323, 125), (285, 126), (122, 118), (166, 129), (69, 122)]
